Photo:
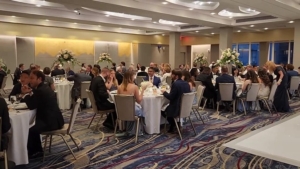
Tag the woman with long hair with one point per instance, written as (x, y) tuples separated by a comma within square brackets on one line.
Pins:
[(112, 83), (138, 67), (281, 101), (186, 76), (166, 72), (95, 71), (265, 82), (206, 80)]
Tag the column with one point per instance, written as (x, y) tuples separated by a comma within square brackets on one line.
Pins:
[(174, 50), (225, 39), (296, 55), (263, 53)]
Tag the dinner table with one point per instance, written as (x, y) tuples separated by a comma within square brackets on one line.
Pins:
[(63, 90)]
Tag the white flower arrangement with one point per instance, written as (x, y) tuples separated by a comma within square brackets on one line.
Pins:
[(200, 58), (4, 67), (230, 57), (104, 57), (65, 56)]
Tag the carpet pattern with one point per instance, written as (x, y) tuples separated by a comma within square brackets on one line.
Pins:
[(99, 149)]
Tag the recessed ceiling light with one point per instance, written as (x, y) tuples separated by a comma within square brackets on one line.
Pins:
[(107, 15), (154, 22), (291, 21), (266, 28), (120, 28), (230, 17), (239, 31), (165, 3), (13, 16), (132, 19), (47, 20), (249, 9), (212, 33), (99, 25), (38, 5), (197, 31), (212, 13), (196, 2), (209, 2), (251, 25), (76, 11), (75, 23), (163, 34), (191, 9)]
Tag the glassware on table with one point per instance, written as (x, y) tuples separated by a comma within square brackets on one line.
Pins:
[(13, 99), (154, 89)]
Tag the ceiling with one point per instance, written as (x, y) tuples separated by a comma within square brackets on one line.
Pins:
[(150, 17)]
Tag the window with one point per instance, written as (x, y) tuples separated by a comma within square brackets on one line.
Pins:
[(244, 53), (255, 54), (281, 52), (234, 47)]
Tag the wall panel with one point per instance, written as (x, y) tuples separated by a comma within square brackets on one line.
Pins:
[(25, 51)]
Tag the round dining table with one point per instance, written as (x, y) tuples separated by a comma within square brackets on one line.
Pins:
[(63, 92)]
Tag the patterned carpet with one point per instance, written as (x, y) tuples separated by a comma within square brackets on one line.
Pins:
[(101, 150)]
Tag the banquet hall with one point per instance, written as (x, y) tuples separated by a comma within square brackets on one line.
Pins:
[(149, 84)]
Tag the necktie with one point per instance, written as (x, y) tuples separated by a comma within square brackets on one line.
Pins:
[(151, 79)]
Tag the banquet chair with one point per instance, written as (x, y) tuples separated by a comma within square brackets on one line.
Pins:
[(269, 100), (95, 109), (85, 85), (226, 94), (195, 107), (125, 108), (66, 130), (185, 110), (251, 96), (169, 80), (294, 84), (2, 91), (139, 80)]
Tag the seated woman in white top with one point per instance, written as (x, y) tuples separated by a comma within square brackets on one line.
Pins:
[(166, 73), (265, 82)]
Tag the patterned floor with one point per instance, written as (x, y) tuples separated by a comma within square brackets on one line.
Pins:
[(101, 150)]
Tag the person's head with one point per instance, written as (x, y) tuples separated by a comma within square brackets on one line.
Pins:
[(143, 68), (215, 68), (83, 65), (114, 64), (224, 70), (89, 68), (130, 68), (235, 71), (119, 69), (252, 76), (176, 74), (68, 69), (194, 64), (255, 68), (289, 67), (32, 67), (152, 64), (24, 77), (299, 69), (186, 76), (112, 73), (151, 71), (206, 71), (123, 63), (95, 71), (181, 66), (127, 78), (270, 66), (249, 67), (263, 75), (98, 67), (187, 67), (166, 69), (36, 77), (105, 72), (21, 66), (56, 66), (47, 71)]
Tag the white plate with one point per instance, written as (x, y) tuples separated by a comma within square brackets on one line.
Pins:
[(19, 106)]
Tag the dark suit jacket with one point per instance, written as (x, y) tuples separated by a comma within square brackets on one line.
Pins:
[(225, 78), (70, 73), (178, 88), (210, 91), (4, 115), (119, 78), (48, 115), (56, 72), (142, 74), (16, 90), (194, 72), (100, 93), (17, 75), (156, 80), (78, 78), (2, 75)]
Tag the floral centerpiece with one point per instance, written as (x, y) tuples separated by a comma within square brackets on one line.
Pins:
[(200, 58), (66, 56), (104, 57), (4, 67), (230, 57)]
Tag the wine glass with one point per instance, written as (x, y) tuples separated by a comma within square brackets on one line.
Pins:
[(13, 99)]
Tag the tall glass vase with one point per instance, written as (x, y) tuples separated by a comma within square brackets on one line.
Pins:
[(229, 66)]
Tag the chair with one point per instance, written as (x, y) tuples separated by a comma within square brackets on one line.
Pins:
[(66, 130), (95, 109), (270, 99), (185, 110), (169, 80), (198, 83), (125, 108), (2, 91), (226, 93), (85, 85), (139, 80), (251, 96), (294, 84), (196, 108)]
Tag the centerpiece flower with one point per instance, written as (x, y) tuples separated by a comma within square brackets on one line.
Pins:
[(200, 58), (66, 56), (104, 57), (230, 57), (4, 67)]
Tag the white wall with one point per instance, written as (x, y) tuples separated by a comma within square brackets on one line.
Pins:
[(198, 49)]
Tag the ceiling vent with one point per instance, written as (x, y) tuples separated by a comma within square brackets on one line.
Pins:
[(255, 19), (190, 26)]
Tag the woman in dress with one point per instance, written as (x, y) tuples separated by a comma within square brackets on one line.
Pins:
[(166, 73), (112, 82), (281, 100), (95, 71), (138, 67), (265, 82), (186, 76)]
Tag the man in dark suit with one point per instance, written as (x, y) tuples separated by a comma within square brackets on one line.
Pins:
[(48, 115), (225, 78), (205, 79), (88, 71), (178, 88), (194, 71), (151, 78), (2, 75), (119, 75), (101, 95), (17, 73), (57, 71), (78, 78), (24, 80), (142, 72)]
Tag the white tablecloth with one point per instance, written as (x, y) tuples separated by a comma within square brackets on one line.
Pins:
[(63, 90), (17, 148)]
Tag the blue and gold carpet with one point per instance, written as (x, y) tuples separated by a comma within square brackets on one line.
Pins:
[(101, 150)]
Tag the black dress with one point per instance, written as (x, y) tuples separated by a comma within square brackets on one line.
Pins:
[(281, 100)]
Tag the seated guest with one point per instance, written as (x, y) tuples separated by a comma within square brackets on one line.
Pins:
[(151, 78), (290, 73), (48, 115), (154, 67), (4, 116), (57, 71), (48, 80), (166, 73), (142, 72), (119, 75), (122, 65), (24, 80), (112, 82), (17, 73), (186, 76), (69, 72), (225, 78), (98, 67), (194, 71), (178, 88), (88, 71), (32, 67), (205, 79), (113, 67), (265, 82), (235, 72), (215, 70), (2, 75), (101, 95)]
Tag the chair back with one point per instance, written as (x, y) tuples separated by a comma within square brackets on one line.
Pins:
[(273, 90), (200, 91), (92, 100), (294, 83), (252, 93), (73, 115), (85, 85), (186, 104), (3, 82), (139, 80), (169, 80), (125, 107), (197, 83), (226, 91)]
